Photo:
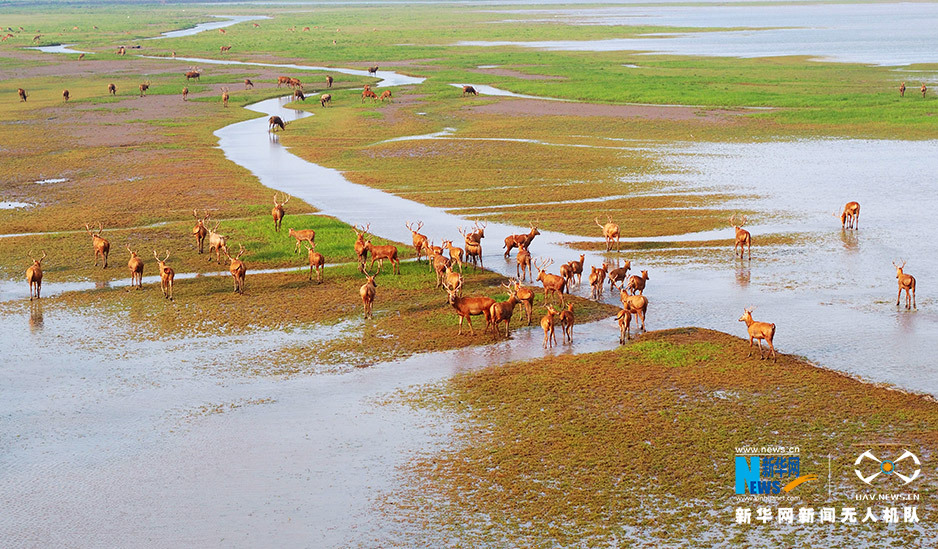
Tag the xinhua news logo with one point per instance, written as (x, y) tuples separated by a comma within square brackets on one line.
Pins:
[(768, 471)]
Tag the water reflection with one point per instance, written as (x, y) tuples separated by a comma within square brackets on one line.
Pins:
[(851, 240), (743, 274), (35, 316)]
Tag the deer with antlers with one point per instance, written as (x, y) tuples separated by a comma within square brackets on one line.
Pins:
[(277, 212), (360, 248), (238, 269), (597, 279), (22, 94), (473, 242), (553, 284), (167, 274), (743, 238), (112, 89), (420, 241), (850, 217), (502, 311), (610, 232), (144, 87), (635, 304), (135, 265), (907, 283), (305, 235), (548, 323), (520, 240), (275, 122), (317, 261), (224, 97), (618, 275), (101, 246), (523, 267), (193, 73), (567, 319), (455, 254), (380, 253), (467, 307), (200, 231), (34, 275), (636, 284), (367, 292), (758, 331), (217, 243), (452, 280)]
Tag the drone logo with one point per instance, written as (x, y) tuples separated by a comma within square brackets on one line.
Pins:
[(888, 467)]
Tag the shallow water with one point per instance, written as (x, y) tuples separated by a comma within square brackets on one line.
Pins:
[(58, 48), (13, 205), (229, 20)]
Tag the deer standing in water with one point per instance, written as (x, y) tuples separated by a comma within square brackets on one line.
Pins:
[(597, 279), (524, 264), (34, 275), (520, 240), (101, 246), (167, 274), (135, 265), (238, 269), (610, 232), (200, 231), (547, 324), (473, 242), (618, 275), (758, 331), (577, 267), (361, 249), (566, 323), (850, 217), (743, 238), (420, 241), (637, 283), (907, 283), (635, 304), (467, 307), (553, 284), (317, 261), (367, 293), (305, 235), (502, 311), (277, 212)]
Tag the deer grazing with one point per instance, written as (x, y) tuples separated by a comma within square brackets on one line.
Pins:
[(112, 89), (373, 70), (469, 90), (296, 84), (637, 284), (467, 307), (144, 87), (369, 94), (386, 94), (547, 324), (380, 253), (283, 80), (907, 283), (850, 217), (274, 122), (101, 246), (367, 292), (610, 232), (520, 240), (200, 231), (192, 73), (361, 249), (22, 94), (636, 305), (167, 274), (248, 85), (420, 241), (34, 275), (224, 49), (553, 284), (902, 89), (305, 235), (238, 269), (455, 254), (328, 81), (743, 238), (597, 279), (325, 98), (224, 97), (502, 311), (277, 212), (65, 95), (566, 323), (135, 265), (618, 275), (759, 331), (217, 243), (524, 264), (298, 95), (316, 261)]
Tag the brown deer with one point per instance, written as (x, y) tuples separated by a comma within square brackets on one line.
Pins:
[(135, 265), (469, 90), (22, 94), (467, 307), (34, 275), (298, 95), (325, 98), (452, 281), (360, 248), (502, 311), (547, 324), (305, 235), (386, 94), (81, 56), (577, 266), (924, 89), (566, 323), (369, 94), (224, 49), (144, 87), (65, 95), (238, 269), (526, 297), (101, 246), (217, 243), (618, 275), (274, 122), (902, 89), (200, 231), (167, 274), (520, 240), (328, 81), (524, 264), (121, 51), (192, 73), (907, 283), (112, 89), (637, 284), (277, 212), (248, 85), (759, 331), (566, 271), (296, 84), (283, 80), (610, 232), (624, 319), (185, 93), (850, 217), (473, 242), (373, 70), (597, 279), (420, 241), (553, 284), (380, 253), (367, 292), (224, 97), (635, 304), (317, 261), (455, 254), (440, 265), (223, 31), (743, 238)]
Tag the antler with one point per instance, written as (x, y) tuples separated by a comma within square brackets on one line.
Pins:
[(461, 230), (240, 253), (128, 249), (275, 200), (100, 227), (287, 200), (88, 228), (733, 220), (596, 219)]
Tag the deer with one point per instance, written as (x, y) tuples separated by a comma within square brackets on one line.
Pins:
[(420, 241), (455, 254), (502, 311), (610, 232), (373, 70), (624, 318), (217, 243), (577, 266), (223, 31), (224, 49), (467, 307), (618, 275), (298, 95), (316, 260), (199, 231), (135, 265), (274, 122), (185, 93), (553, 284), (360, 248), (121, 51), (22, 94), (547, 324), (192, 73), (380, 253), (473, 242), (370, 94), (743, 238), (100, 244), (469, 90), (65, 95), (566, 271), (526, 297), (34, 275), (296, 84), (367, 292), (474, 253), (255, 25), (224, 97), (758, 331), (850, 217), (277, 212), (636, 305), (902, 89), (112, 89), (924, 89), (637, 284), (305, 235), (520, 239), (144, 87), (328, 80), (597, 279), (81, 56), (440, 265), (907, 283), (566, 323), (325, 98), (238, 269), (524, 264), (452, 280), (167, 274), (283, 80), (386, 94)]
